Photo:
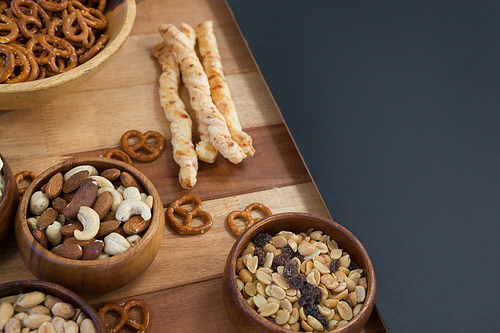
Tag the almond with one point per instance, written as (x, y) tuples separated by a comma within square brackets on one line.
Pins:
[(46, 219), (135, 225), (75, 181), (40, 237), (92, 250), (70, 251), (69, 228), (111, 174), (107, 227), (103, 203), (54, 186), (73, 240), (58, 204), (84, 196), (129, 181), (109, 216)]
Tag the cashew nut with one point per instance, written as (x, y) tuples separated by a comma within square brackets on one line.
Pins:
[(117, 197), (102, 182), (120, 189), (32, 223), (148, 199), (132, 207), (103, 256), (115, 244), (38, 203), (53, 233), (134, 239), (131, 193), (91, 169), (90, 221)]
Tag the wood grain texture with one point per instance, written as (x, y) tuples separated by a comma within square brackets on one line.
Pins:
[(183, 283)]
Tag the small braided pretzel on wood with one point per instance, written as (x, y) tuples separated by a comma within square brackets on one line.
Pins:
[(24, 175), (123, 310), (151, 151), (247, 216), (122, 156), (187, 228)]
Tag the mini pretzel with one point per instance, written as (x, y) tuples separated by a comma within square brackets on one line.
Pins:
[(56, 48), (187, 228), (84, 36), (8, 24), (246, 215), (24, 175), (120, 154), (21, 62), (133, 150), (96, 48), (123, 310), (10, 62)]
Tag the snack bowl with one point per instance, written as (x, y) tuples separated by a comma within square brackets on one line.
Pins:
[(26, 286), (89, 276), (244, 317), (8, 201), (120, 15)]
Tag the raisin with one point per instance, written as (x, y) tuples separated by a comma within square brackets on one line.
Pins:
[(291, 268), (261, 239), (353, 266), (261, 255), (348, 302), (271, 319), (334, 265), (311, 309), (323, 320), (281, 259), (310, 295), (288, 249), (295, 281), (299, 256)]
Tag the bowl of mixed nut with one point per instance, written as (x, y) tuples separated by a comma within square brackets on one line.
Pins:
[(9, 199), (89, 224), (38, 306), (298, 272)]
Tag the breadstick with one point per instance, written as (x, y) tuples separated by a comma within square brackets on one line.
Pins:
[(221, 94), (196, 81), (175, 111), (204, 149)]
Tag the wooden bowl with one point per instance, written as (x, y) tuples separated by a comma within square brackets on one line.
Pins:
[(25, 286), (245, 318), (8, 202), (120, 15), (89, 276)]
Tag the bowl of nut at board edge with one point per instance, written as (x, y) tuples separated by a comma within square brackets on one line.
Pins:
[(39, 306), (78, 39), (89, 224), (9, 199), (298, 272)]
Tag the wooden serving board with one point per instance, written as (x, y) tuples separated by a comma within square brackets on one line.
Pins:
[(183, 284)]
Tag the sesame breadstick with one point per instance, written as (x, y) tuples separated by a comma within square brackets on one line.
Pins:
[(196, 81), (221, 94), (175, 111)]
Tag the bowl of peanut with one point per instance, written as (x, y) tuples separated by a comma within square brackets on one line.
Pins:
[(9, 199), (31, 305), (89, 224), (64, 44), (298, 272)]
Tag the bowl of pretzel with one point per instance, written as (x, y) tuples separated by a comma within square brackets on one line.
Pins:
[(48, 48)]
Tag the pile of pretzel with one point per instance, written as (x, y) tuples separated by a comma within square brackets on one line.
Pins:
[(210, 99), (42, 38)]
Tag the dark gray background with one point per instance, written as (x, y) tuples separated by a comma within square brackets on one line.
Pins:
[(394, 106)]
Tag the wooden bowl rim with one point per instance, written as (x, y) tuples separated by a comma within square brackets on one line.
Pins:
[(156, 220), (48, 287), (243, 240), (56, 80), (9, 186)]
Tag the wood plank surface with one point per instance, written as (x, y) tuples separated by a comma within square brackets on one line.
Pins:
[(183, 284)]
